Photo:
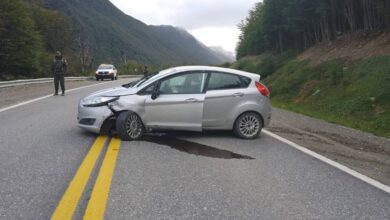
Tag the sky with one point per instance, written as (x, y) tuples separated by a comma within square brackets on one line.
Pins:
[(213, 22)]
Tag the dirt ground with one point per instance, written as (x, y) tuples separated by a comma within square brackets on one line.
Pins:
[(349, 47), (360, 151)]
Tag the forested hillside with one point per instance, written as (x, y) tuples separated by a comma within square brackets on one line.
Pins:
[(324, 58), (29, 34), (88, 32), (105, 34), (279, 25)]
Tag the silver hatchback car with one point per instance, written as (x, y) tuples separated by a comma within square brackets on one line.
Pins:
[(188, 98)]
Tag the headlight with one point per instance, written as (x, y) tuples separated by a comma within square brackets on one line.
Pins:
[(98, 101)]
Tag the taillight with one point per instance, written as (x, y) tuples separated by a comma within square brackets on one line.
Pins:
[(262, 89)]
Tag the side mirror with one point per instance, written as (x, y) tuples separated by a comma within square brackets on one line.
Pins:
[(154, 95), (156, 91)]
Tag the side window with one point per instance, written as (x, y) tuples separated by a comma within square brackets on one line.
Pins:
[(224, 81), (188, 83)]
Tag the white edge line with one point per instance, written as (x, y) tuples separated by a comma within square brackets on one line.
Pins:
[(44, 97), (339, 166)]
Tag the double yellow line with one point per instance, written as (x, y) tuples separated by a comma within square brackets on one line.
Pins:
[(97, 203)]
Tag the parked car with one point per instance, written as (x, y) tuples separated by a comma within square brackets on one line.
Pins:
[(190, 98), (105, 71)]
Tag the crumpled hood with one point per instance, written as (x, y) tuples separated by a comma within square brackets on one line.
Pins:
[(112, 92)]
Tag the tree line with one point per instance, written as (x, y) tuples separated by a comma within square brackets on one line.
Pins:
[(29, 35), (279, 25)]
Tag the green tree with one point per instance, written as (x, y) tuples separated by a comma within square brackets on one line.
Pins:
[(20, 43), (279, 25), (56, 30), (252, 38)]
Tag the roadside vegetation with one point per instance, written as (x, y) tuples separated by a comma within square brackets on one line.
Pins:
[(326, 59), (355, 95)]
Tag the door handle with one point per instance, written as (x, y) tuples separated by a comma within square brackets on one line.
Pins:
[(191, 100), (238, 94)]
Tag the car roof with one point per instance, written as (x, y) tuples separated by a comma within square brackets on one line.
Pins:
[(178, 69), (207, 68), (103, 64)]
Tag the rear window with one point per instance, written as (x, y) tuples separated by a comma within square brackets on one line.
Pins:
[(220, 81)]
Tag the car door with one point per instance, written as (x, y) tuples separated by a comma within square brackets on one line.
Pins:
[(225, 92), (179, 105)]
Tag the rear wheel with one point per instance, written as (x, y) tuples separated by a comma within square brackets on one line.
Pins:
[(248, 125), (129, 126)]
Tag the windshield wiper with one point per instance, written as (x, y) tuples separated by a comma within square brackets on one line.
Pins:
[(131, 84)]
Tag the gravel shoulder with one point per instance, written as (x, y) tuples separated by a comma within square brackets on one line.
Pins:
[(360, 151), (363, 152)]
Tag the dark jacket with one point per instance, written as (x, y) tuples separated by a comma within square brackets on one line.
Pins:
[(59, 66)]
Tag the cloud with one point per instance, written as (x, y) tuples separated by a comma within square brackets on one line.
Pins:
[(199, 17), (217, 36), (198, 14), (188, 14)]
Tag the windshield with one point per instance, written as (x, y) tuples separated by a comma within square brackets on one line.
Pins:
[(146, 78), (140, 81), (151, 77), (105, 67)]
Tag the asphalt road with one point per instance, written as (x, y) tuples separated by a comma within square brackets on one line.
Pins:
[(179, 176)]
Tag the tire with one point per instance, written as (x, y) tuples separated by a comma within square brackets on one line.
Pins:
[(97, 78), (248, 125), (112, 78), (116, 78), (129, 126)]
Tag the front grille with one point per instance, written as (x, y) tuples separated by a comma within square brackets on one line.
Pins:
[(87, 121), (103, 73)]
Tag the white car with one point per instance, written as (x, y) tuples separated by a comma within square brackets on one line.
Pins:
[(106, 71)]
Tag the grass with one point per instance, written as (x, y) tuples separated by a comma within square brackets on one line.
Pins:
[(264, 64), (356, 95)]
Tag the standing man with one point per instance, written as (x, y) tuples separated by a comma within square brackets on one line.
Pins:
[(58, 68), (145, 72)]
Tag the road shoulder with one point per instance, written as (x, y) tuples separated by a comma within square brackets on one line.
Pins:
[(360, 151)]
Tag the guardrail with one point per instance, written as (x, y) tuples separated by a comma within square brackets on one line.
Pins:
[(4, 84)]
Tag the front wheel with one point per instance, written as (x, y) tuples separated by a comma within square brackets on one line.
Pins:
[(129, 126), (248, 125)]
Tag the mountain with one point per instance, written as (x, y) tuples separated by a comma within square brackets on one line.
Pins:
[(184, 43), (106, 34), (225, 55)]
